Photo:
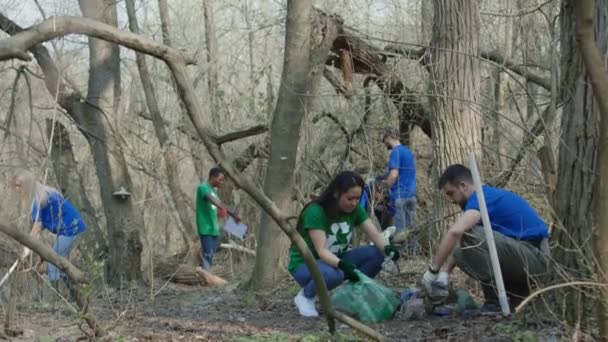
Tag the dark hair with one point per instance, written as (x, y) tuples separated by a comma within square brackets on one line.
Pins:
[(455, 174), (390, 132), (328, 200), (215, 171)]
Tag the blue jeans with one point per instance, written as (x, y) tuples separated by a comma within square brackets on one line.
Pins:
[(63, 246), (405, 210), (210, 244), (367, 259)]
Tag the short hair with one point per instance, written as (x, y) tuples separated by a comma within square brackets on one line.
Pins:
[(215, 171), (455, 174), (390, 132)]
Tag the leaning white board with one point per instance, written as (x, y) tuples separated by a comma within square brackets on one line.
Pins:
[(239, 230), (485, 218)]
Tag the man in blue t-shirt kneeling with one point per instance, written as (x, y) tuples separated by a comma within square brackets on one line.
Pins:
[(520, 236)]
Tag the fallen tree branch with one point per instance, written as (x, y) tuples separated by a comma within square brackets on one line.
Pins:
[(237, 248), (76, 276), (357, 325), (240, 134), (553, 287)]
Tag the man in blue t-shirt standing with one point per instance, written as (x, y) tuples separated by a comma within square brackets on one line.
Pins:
[(401, 181), (519, 233)]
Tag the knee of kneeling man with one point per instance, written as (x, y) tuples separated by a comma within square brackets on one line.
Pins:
[(473, 237)]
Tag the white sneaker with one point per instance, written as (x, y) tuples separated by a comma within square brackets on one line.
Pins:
[(305, 306)]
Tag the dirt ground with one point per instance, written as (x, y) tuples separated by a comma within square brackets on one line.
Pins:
[(185, 313)]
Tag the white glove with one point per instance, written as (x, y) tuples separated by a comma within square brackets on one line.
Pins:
[(427, 281), (25, 253), (443, 279)]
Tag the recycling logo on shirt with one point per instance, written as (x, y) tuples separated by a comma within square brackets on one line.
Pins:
[(338, 237)]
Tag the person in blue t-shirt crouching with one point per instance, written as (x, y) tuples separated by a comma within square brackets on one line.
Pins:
[(520, 236), (51, 211)]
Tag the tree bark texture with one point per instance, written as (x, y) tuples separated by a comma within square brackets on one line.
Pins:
[(577, 164), (591, 25), (123, 218), (454, 82)]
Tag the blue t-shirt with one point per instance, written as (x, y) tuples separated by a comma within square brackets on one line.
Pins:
[(402, 159), (510, 214), (365, 198), (58, 216)]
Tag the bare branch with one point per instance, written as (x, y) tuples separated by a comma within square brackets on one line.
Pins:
[(336, 83), (240, 134), (56, 27), (495, 57)]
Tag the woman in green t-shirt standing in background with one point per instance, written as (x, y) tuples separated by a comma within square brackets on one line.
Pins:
[(327, 224)]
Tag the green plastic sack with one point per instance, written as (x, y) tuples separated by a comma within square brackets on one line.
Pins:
[(366, 300)]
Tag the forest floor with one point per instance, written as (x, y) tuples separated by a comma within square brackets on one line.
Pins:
[(185, 313)]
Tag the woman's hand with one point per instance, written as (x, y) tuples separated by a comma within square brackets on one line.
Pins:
[(372, 234), (319, 239)]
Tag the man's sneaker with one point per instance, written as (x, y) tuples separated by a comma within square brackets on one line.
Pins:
[(305, 306)]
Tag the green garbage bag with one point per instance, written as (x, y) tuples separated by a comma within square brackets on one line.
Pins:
[(366, 300)]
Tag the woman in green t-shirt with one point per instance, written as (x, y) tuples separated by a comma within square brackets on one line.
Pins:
[(327, 224)]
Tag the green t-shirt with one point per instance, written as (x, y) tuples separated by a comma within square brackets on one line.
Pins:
[(339, 231), (206, 212)]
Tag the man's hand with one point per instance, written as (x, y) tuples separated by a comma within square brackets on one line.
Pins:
[(428, 279), (443, 279), (25, 253), (222, 213), (349, 270), (392, 251)]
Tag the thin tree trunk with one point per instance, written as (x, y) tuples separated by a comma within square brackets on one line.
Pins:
[(586, 14), (169, 149), (196, 149), (123, 218), (212, 62), (501, 80), (305, 55)]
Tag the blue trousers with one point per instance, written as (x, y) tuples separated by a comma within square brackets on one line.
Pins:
[(405, 211), (210, 244), (367, 259), (63, 246)]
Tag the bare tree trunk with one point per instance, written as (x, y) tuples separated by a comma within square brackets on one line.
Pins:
[(574, 194), (454, 82), (212, 65), (492, 155), (71, 185), (169, 148), (454, 90), (426, 22), (196, 149), (123, 218), (305, 54), (586, 34)]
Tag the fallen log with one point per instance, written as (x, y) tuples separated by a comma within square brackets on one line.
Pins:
[(177, 272)]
